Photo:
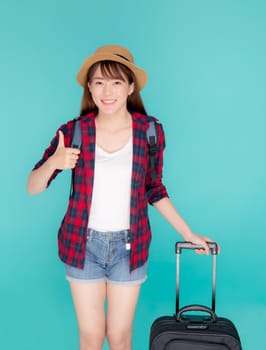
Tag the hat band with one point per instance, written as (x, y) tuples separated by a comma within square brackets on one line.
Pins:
[(116, 54)]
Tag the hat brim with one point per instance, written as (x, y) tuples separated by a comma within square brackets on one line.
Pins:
[(140, 74)]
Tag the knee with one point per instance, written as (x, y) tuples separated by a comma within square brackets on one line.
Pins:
[(119, 339), (91, 339)]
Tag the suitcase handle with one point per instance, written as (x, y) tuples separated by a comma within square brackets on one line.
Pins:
[(188, 245), (196, 308)]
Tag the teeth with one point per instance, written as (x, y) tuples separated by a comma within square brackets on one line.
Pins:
[(108, 101)]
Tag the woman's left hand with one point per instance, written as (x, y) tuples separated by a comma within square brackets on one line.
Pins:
[(202, 241)]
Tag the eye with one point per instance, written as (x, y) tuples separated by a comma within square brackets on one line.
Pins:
[(117, 82), (98, 82)]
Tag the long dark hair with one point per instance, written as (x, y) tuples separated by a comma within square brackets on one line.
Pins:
[(112, 70)]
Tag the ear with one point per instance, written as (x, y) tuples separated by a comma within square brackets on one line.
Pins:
[(89, 87), (131, 88)]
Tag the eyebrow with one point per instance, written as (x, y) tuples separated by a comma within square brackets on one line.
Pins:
[(103, 78)]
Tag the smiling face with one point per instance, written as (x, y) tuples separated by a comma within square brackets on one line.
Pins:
[(110, 90)]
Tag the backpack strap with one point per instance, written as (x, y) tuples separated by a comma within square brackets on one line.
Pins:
[(152, 145), (76, 137), (75, 143)]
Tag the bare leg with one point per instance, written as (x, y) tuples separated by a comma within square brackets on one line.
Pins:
[(122, 301), (89, 300)]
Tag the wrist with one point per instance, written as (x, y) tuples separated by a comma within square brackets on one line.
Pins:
[(187, 235), (50, 164)]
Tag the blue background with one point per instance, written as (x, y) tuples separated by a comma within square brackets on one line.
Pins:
[(206, 65)]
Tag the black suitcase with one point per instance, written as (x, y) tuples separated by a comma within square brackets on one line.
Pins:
[(202, 331)]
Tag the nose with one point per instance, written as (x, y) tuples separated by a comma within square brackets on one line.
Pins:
[(107, 88)]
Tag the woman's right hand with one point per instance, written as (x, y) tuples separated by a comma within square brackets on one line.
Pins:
[(64, 157)]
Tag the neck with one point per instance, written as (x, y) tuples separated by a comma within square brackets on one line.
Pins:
[(114, 121)]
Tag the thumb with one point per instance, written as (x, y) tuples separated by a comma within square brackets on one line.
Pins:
[(61, 142)]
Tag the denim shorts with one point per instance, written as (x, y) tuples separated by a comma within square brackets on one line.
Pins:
[(107, 259)]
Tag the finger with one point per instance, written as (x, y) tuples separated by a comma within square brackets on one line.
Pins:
[(205, 248), (74, 158), (72, 154), (205, 245), (73, 164), (201, 251), (61, 141), (75, 150), (207, 239)]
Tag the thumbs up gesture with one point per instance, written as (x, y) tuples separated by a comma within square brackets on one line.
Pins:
[(64, 157)]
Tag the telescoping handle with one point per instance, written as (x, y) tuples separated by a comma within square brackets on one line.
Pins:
[(187, 245)]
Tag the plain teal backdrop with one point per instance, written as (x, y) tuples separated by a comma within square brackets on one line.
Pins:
[(207, 85)]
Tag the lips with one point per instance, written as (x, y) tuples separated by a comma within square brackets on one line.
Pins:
[(108, 102)]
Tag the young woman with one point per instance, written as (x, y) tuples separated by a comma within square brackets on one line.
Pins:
[(105, 235)]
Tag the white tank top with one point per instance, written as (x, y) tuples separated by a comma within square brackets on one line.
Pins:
[(110, 207)]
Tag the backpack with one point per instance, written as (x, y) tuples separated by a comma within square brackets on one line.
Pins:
[(151, 134)]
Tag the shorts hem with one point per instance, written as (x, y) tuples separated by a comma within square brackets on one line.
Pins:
[(127, 283), (98, 280), (82, 281)]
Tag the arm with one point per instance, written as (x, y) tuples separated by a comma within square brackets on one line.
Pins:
[(158, 197), (62, 158), (38, 179), (167, 210)]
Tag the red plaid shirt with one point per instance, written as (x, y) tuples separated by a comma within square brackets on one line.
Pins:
[(73, 230)]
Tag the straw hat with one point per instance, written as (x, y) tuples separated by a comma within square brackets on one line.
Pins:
[(112, 53)]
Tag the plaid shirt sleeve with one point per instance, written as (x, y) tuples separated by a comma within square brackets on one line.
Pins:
[(155, 189), (67, 130)]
